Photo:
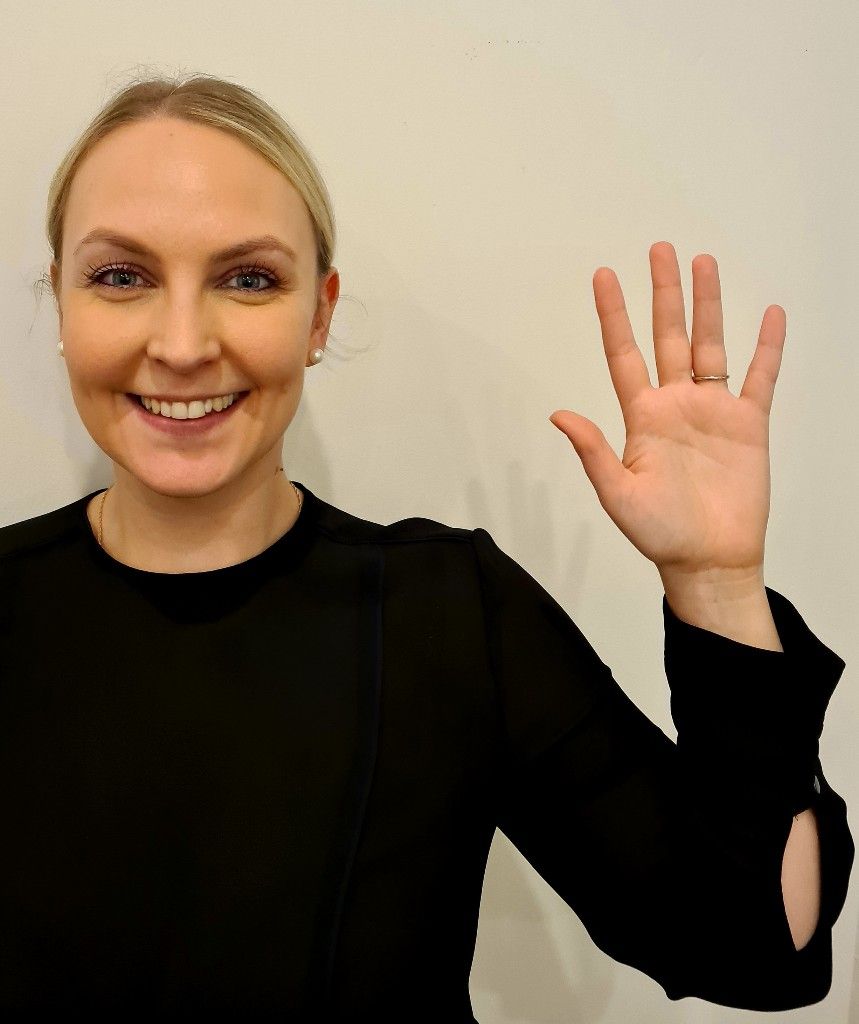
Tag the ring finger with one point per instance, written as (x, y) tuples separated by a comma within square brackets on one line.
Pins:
[(708, 339)]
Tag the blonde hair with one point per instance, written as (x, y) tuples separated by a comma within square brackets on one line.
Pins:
[(212, 101)]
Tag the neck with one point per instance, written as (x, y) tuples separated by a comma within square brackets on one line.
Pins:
[(169, 533)]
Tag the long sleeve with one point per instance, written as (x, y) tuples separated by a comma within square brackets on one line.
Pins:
[(670, 853)]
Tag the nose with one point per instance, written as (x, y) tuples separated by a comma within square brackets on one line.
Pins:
[(182, 335)]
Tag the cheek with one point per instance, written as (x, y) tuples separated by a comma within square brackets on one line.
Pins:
[(100, 349), (93, 371), (276, 361)]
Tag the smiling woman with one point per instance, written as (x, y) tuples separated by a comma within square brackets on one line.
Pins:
[(212, 277), (256, 770)]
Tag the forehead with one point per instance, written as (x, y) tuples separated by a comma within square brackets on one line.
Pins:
[(183, 182)]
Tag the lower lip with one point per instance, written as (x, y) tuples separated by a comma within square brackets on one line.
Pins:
[(185, 428)]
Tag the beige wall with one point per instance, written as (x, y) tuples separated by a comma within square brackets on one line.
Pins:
[(484, 160)]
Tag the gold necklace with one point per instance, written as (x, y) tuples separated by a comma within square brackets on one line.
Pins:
[(298, 494)]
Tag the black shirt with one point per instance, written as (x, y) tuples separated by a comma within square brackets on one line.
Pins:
[(269, 791)]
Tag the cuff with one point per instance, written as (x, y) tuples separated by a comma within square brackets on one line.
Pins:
[(749, 719)]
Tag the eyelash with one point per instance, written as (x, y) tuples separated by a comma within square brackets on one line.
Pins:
[(93, 273)]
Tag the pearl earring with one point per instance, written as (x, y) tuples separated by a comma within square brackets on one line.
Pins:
[(60, 349)]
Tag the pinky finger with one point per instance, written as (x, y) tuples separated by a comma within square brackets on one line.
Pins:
[(759, 385)]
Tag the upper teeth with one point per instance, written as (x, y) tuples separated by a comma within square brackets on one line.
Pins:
[(189, 410)]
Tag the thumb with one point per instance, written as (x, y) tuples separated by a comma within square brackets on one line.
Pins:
[(603, 468)]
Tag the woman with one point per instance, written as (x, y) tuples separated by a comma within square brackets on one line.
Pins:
[(259, 765)]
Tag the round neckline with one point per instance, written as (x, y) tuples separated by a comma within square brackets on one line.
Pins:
[(285, 548)]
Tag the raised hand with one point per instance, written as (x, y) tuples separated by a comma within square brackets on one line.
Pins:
[(692, 491)]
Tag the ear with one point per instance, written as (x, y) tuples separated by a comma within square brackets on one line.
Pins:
[(329, 292)]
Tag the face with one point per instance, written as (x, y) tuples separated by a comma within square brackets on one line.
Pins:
[(179, 320)]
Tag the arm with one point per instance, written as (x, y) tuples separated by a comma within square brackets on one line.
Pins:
[(741, 612), (670, 853)]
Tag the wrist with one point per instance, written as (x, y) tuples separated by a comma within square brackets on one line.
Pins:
[(713, 586), (732, 603)]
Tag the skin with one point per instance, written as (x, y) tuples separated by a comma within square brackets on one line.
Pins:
[(172, 323)]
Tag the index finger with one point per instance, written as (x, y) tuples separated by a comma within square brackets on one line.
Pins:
[(626, 365)]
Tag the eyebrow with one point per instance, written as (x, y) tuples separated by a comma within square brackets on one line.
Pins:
[(268, 242)]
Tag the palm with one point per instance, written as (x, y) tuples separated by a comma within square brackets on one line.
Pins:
[(692, 489)]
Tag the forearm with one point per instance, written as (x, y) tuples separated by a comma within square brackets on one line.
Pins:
[(737, 607)]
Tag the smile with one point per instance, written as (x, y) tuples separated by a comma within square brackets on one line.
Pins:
[(187, 420), (188, 410)]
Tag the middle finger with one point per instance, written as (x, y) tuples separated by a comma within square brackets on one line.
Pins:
[(670, 340)]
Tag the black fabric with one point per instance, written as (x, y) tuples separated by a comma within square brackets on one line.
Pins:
[(269, 790)]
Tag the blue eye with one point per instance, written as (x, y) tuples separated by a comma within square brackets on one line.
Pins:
[(257, 272), (95, 274)]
